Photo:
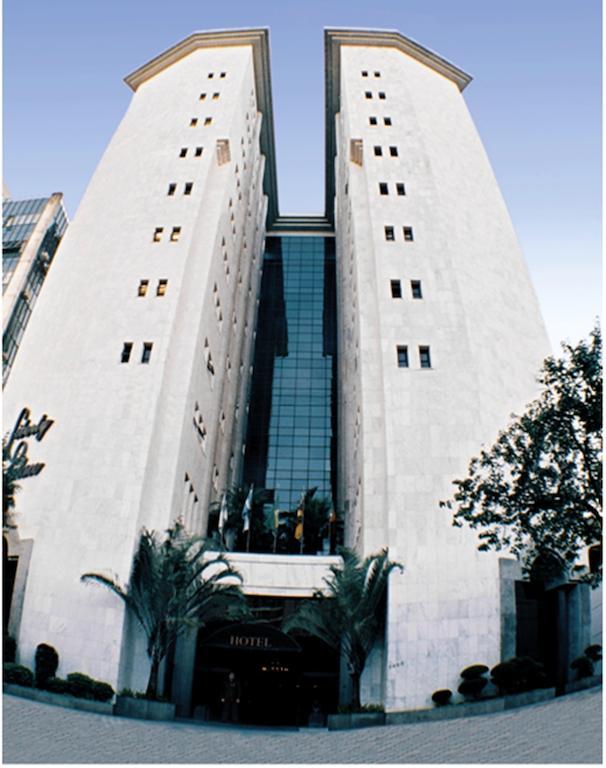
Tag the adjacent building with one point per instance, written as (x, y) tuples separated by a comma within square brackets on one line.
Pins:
[(31, 233), (191, 338)]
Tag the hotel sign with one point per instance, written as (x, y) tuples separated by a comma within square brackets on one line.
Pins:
[(16, 447)]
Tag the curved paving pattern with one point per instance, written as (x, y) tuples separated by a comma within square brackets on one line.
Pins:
[(565, 730)]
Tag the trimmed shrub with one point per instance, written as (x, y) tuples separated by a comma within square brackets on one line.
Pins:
[(473, 687), (9, 650), (46, 663), (474, 671), (594, 652), (18, 675), (57, 685), (442, 697), (583, 666), (518, 674), (84, 687)]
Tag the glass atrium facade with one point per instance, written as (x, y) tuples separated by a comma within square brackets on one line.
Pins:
[(290, 445)]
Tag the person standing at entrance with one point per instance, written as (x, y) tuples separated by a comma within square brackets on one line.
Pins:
[(231, 699)]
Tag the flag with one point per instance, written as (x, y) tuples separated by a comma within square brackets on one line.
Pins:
[(300, 518), (223, 514), (246, 511)]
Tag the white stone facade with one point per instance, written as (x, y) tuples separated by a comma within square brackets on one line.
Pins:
[(406, 432), (139, 444)]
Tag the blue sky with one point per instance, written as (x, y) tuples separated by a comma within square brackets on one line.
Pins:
[(535, 98)]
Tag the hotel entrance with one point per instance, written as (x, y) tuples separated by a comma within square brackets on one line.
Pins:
[(278, 680)]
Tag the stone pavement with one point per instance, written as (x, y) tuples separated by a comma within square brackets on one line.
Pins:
[(565, 730)]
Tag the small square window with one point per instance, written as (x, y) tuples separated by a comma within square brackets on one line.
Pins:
[(415, 289), (126, 350), (183, 152), (193, 122), (161, 289), (189, 185), (389, 233), (175, 234), (424, 357), (208, 120), (383, 188), (368, 94), (378, 151), (387, 120), (393, 151), (147, 350), (396, 289), (407, 233), (198, 151), (202, 96), (158, 234), (400, 188), (171, 189), (143, 284), (381, 95), (377, 74), (222, 74), (402, 357), (372, 120), (364, 73), (215, 96), (211, 75)]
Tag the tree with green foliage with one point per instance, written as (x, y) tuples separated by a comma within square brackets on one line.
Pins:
[(349, 614), (175, 585), (539, 487)]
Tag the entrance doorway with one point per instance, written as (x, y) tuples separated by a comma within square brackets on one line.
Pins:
[(281, 680)]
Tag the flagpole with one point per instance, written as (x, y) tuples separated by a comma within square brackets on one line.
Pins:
[(302, 523)]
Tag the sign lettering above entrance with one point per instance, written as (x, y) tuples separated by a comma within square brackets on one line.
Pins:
[(242, 641)]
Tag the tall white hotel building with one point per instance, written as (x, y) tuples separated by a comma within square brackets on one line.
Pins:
[(189, 338)]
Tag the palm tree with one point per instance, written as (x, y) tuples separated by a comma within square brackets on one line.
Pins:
[(349, 615), (9, 489), (175, 586)]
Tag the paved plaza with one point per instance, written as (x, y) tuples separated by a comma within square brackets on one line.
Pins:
[(565, 730)]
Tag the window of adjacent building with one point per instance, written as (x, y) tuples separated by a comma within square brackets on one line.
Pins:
[(189, 185), (377, 74), (215, 96), (424, 357), (208, 120), (368, 94), (143, 285), (193, 122), (198, 151), (415, 289), (158, 234), (126, 350), (389, 233), (387, 120), (175, 234), (407, 233), (171, 189), (147, 350), (183, 152), (202, 96), (211, 75), (372, 120), (378, 151), (383, 188), (393, 151), (161, 289), (400, 188), (402, 356), (396, 289), (222, 74), (364, 73)]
